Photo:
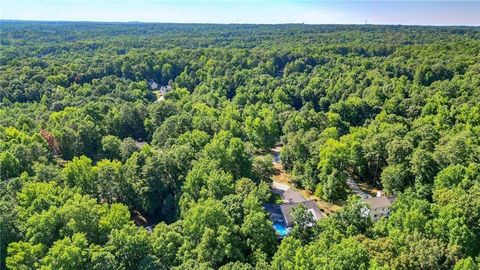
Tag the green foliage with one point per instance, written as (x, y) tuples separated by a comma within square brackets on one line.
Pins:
[(68, 253), (262, 167), (111, 146), (86, 145), (262, 130), (466, 264), (130, 245), (258, 233), (24, 255), (303, 222), (450, 176), (10, 165), (79, 173), (395, 178)]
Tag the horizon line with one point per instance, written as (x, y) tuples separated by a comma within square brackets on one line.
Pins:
[(237, 23)]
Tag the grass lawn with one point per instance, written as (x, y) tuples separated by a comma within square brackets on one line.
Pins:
[(276, 198)]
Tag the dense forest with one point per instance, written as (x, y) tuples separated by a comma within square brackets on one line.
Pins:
[(88, 151)]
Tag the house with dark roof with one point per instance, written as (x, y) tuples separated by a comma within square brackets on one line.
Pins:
[(292, 196), (311, 206), (281, 215)]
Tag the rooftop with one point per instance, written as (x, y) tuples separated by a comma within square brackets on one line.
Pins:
[(378, 202), (311, 206)]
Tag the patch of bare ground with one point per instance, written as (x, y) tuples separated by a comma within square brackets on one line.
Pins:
[(280, 175)]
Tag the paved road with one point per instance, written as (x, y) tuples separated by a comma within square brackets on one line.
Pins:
[(354, 187)]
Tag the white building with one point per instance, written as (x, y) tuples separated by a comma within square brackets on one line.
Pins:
[(378, 207)]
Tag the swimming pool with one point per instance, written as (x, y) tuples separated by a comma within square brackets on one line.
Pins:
[(280, 229)]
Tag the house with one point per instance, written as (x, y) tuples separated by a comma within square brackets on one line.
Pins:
[(165, 89), (162, 88), (281, 215), (153, 85), (292, 196), (287, 209), (378, 207)]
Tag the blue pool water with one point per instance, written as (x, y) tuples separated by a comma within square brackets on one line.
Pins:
[(280, 229)]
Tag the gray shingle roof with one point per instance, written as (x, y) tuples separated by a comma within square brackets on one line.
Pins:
[(378, 202), (292, 196), (287, 209)]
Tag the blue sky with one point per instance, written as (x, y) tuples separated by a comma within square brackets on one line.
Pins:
[(247, 11)]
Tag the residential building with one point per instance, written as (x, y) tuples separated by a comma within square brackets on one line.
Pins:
[(311, 206), (378, 207)]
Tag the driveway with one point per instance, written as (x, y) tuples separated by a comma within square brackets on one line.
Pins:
[(287, 193), (280, 186), (356, 189)]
